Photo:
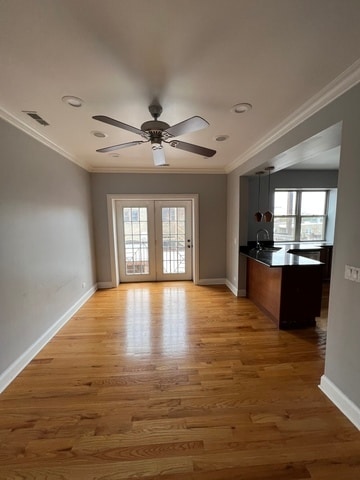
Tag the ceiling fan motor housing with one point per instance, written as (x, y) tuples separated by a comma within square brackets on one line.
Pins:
[(154, 130), (154, 126)]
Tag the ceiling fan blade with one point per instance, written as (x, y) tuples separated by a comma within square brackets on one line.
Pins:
[(116, 123), (159, 157), (121, 145), (190, 125), (189, 147)]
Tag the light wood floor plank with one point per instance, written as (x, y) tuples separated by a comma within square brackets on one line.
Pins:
[(172, 381)]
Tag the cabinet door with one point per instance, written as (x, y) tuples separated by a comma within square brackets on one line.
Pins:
[(300, 296)]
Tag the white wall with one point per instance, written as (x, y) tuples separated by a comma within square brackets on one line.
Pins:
[(46, 247), (343, 353)]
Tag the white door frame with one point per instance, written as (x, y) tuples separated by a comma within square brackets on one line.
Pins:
[(111, 207)]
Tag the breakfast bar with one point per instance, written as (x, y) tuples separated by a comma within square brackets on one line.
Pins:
[(284, 284)]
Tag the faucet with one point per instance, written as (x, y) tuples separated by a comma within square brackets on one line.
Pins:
[(262, 230)]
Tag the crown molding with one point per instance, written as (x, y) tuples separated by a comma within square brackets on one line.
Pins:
[(8, 117), (341, 84), (159, 170)]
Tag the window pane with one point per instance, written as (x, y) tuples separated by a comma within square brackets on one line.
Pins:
[(284, 203), (312, 228), (284, 229), (313, 203)]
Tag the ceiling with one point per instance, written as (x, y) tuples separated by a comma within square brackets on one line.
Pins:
[(285, 57)]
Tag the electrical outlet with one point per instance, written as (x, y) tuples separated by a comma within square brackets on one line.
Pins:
[(352, 273), (347, 272)]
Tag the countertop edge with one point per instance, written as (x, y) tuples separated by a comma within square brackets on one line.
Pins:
[(287, 256)]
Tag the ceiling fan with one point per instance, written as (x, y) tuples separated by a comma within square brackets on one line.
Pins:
[(157, 132)]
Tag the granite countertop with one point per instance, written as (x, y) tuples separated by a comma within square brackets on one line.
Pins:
[(305, 246), (284, 256)]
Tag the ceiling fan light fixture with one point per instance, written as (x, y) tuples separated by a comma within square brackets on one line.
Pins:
[(241, 107), (73, 101), (156, 144)]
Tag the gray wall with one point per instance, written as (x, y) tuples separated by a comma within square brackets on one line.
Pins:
[(212, 213), (46, 250), (326, 179), (343, 353)]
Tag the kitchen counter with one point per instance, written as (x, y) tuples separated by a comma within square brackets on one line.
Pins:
[(284, 284), (288, 255)]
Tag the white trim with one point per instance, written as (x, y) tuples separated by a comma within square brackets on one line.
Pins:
[(235, 290), (101, 285), (344, 404), (159, 170), (111, 209), (232, 288), (341, 84), (16, 122), (212, 281), (16, 367), (196, 238), (112, 230)]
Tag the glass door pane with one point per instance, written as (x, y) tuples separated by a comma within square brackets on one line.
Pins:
[(136, 240), (136, 243), (174, 240)]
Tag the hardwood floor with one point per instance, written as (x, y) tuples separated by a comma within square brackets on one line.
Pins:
[(173, 381)]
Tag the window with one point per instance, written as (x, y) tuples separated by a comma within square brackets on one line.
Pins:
[(300, 215)]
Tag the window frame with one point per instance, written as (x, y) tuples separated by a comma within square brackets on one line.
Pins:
[(297, 215)]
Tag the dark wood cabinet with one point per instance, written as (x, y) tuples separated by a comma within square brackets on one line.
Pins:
[(290, 295), (326, 258)]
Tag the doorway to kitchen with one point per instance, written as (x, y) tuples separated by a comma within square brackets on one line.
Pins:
[(153, 237)]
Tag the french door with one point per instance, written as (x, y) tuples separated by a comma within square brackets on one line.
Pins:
[(154, 240)]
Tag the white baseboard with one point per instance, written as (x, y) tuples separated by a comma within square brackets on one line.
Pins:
[(344, 404), (101, 285), (212, 281), (231, 287), (235, 290), (16, 367)]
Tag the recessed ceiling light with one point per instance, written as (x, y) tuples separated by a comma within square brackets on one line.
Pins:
[(98, 134), (221, 138), (72, 101), (241, 108)]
